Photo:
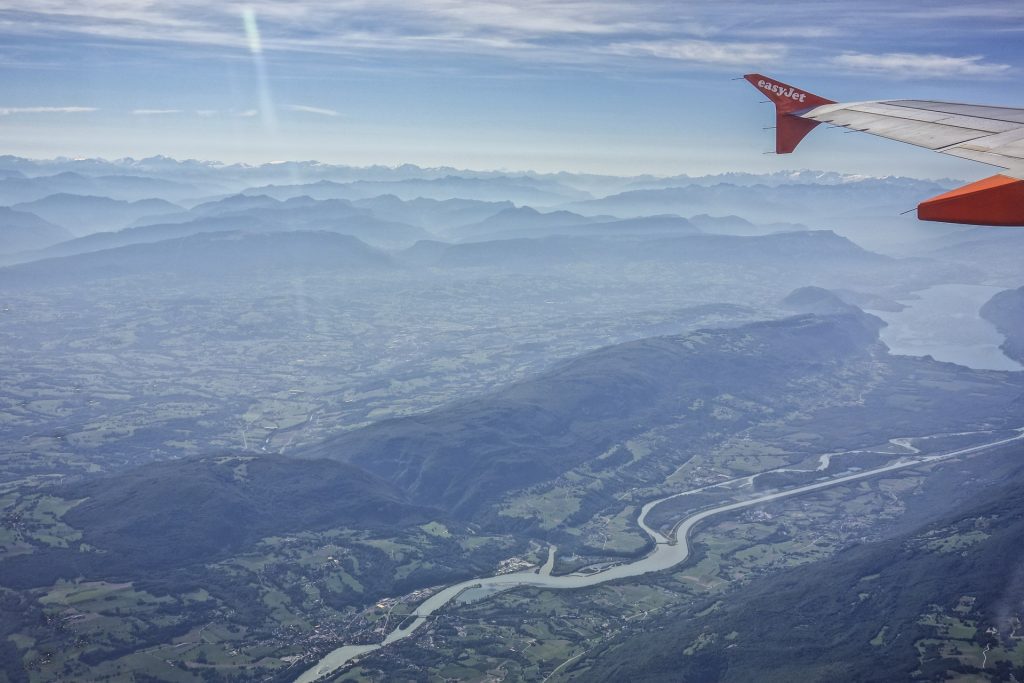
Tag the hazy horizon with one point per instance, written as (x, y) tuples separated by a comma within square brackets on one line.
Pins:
[(215, 163)]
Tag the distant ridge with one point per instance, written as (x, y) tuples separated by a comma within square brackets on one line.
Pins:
[(525, 219), (777, 249), (84, 214), (261, 214), (16, 189), (214, 254), (21, 230), (667, 225)]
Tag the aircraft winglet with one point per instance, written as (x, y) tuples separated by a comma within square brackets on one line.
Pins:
[(988, 134), (789, 101)]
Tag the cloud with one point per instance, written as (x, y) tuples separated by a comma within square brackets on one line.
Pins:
[(155, 112), (541, 17), (7, 111), (704, 51), (544, 30), (311, 110), (248, 113), (909, 65), (206, 113), (790, 31), (549, 32), (233, 23)]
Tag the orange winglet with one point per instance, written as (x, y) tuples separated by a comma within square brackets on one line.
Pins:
[(998, 200), (790, 129)]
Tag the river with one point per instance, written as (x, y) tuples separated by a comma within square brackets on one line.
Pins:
[(664, 556), (943, 322)]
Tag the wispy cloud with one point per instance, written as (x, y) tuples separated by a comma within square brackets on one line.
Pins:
[(776, 32), (248, 113), (552, 32), (155, 112), (8, 111), (909, 65), (319, 23), (322, 111), (704, 51)]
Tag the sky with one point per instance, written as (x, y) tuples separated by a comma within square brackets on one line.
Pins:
[(623, 88)]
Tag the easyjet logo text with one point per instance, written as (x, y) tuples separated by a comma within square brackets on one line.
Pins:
[(782, 91)]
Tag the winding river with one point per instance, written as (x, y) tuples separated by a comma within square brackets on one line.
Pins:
[(667, 553)]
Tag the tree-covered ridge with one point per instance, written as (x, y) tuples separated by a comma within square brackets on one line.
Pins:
[(1006, 311), (920, 605)]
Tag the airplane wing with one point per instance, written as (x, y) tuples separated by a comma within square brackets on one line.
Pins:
[(991, 135)]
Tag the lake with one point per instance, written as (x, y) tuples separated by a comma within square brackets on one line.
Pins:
[(943, 323)]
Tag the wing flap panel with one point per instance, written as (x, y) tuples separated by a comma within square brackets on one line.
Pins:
[(1014, 167), (930, 135), (1014, 150), (982, 125), (929, 129), (991, 143), (972, 110), (883, 109), (921, 133), (889, 110)]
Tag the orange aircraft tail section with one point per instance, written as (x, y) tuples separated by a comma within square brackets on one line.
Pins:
[(998, 200), (789, 101)]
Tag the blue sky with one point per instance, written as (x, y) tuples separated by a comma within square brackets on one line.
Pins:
[(583, 85)]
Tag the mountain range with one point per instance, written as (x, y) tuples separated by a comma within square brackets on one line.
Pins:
[(15, 190), (764, 203), (769, 251)]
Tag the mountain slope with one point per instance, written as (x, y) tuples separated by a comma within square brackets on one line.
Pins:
[(297, 213), (816, 300), (764, 203), (997, 256), (523, 218), (183, 512), (599, 226), (872, 612), (82, 214), (432, 214), (791, 251), (1006, 311), (518, 189), (119, 186), (467, 456), (21, 230), (144, 235), (206, 254)]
